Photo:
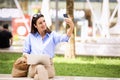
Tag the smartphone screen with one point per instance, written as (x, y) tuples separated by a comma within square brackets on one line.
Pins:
[(65, 15)]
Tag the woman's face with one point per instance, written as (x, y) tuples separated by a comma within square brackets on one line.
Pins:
[(41, 25)]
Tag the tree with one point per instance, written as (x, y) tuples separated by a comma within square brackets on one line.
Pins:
[(24, 5), (70, 52)]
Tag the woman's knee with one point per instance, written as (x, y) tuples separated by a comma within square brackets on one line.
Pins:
[(40, 67)]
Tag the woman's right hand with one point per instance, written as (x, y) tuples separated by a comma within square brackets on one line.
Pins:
[(25, 55), (21, 60)]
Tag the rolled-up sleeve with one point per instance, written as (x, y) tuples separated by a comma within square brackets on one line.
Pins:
[(26, 46)]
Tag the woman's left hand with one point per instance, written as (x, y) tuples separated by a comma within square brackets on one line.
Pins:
[(69, 22)]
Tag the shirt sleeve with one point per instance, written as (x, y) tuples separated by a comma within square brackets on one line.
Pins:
[(10, 35), (60, 37), (27, 46)]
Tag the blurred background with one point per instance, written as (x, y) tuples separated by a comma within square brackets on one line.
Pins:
[(96, 21), (10, 13)]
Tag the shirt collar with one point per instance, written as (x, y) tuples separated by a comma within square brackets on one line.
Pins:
[(37, 34)]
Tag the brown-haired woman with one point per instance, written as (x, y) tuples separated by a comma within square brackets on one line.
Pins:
[(42, 40)]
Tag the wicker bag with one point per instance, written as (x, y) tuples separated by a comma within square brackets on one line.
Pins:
[(20, 67)]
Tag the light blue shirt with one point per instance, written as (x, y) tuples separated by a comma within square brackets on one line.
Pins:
[(34, 44)]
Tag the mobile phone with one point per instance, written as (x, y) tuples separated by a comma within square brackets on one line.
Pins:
[(65, 15)]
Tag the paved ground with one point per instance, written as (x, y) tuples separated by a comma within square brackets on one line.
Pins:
[(9, 77)]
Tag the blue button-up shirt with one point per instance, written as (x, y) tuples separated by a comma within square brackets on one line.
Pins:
[(34, 44)]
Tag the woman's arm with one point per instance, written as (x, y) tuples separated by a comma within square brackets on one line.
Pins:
[(71, 26), (25, 55)]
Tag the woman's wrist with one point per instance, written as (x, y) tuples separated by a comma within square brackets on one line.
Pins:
[(25, 55)]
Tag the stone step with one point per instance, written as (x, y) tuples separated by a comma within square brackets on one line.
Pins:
[(111, 40), (98, 47), (9, 77), (92, 48)]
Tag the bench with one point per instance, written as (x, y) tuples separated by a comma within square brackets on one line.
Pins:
[(14, 49)]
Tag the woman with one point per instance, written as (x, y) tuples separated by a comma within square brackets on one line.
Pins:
[(42, 40)]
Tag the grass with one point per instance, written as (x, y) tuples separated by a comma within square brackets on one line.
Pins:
[(88, 66), (80, 66)]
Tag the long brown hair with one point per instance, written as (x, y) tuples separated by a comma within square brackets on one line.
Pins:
[(34, 20)]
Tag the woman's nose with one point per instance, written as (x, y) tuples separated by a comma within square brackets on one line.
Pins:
[(43, 23)]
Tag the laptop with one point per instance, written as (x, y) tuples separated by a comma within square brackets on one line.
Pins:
[(38, 59)]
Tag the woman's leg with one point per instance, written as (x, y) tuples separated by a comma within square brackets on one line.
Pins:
[(38, 72), (32, 71), (50, 69), (42, 73)]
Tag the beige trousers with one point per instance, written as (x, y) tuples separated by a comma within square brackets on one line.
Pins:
[(41, 72)]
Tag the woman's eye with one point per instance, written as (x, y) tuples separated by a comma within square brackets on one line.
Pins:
[(39, 22), (44, 21)]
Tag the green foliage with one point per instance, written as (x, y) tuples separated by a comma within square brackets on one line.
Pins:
[(98, 70), (6, 62), (80, 66), (88, 66)]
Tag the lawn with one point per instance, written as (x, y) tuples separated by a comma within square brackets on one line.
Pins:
[(80, 66)]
